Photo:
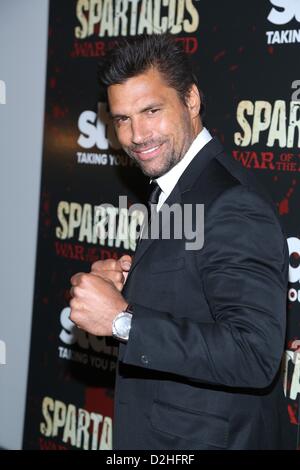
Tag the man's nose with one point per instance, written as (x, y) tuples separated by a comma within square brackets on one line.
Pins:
[(140, 131)]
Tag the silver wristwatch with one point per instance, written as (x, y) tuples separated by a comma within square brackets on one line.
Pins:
[(122, 324)]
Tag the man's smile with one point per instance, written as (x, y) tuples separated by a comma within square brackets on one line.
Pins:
[(147, 153)]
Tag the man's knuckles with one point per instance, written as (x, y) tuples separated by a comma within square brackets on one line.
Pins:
[(110, 276), (79, 279), (75, 305), (105, 265), (119, 286)]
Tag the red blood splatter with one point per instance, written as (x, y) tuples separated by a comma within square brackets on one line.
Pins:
[(284, 206), (219, 56), (99, 400), (52, 82), (58, 111), (46, 206), (292, 411)]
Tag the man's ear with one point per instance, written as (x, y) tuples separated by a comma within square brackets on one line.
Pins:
[(193, 101)]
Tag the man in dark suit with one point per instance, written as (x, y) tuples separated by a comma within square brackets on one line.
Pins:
[(201, 330)]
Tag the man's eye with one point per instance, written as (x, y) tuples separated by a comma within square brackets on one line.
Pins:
[(120, 119), (154, 110)]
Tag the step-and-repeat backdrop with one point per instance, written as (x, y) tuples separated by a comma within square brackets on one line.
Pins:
[(246, 56)]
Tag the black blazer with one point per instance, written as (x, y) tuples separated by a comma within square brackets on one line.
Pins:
[(201, 367)]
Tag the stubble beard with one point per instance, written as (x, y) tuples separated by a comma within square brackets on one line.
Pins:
[(170, 160)]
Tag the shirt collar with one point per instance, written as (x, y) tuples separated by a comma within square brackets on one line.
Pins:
[(168, 181)]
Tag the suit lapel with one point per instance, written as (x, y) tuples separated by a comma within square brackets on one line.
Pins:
[(145, 243)]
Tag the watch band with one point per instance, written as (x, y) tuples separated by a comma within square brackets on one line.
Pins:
[(121, 324), (129, 309)]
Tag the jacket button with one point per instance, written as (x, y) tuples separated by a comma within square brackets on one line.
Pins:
[(145, 360)]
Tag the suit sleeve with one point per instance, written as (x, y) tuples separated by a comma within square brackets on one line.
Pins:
[(243, 269)]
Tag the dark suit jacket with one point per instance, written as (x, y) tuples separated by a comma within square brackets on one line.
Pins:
[(200, 369)]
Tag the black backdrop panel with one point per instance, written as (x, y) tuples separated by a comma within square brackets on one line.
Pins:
[(246, 57)]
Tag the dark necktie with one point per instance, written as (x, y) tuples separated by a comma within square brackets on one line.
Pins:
[(153, 199)]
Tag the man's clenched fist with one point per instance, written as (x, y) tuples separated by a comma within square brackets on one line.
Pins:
[(96, 297), (113, 270)]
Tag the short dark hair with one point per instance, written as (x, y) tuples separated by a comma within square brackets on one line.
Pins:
[(130, 58)]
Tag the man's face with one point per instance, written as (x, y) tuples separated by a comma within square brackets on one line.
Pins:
[(153, 125)]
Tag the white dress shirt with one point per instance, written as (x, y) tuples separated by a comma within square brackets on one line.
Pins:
[(168, 181)]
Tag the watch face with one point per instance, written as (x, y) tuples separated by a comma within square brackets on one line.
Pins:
[(122, 325)]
